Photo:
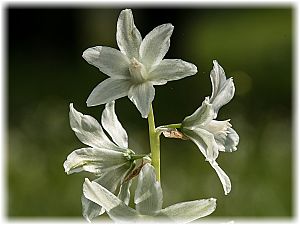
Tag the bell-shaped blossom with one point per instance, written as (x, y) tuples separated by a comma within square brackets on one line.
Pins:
[(212, 136), (109, 160), (148, 201), (137, 67)]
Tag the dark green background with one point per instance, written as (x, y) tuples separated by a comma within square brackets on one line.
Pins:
[(45, 72)]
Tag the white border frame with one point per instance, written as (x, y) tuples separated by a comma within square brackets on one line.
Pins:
[(174, 3)]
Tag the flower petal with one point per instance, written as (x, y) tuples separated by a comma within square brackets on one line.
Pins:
[(108, 90), (220, 130), (142, 96), (124, 193), (148, 195), (113, 126), (222, 89), (222, 176), (218, 78), (115, 208), (205, 142), (90, 210), (88, 130), (231, 141), (108, 60), (155, 45), (128, 36), (171, 69), (95, 160), (202, 116), (110, 181), (185, 212), (216, 126), (225, 136)]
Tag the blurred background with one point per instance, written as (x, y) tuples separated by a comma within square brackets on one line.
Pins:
[(45, 72)]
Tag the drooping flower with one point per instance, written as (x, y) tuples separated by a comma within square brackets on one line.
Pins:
[(137, 67), (212, 136), (110, 161), (148, 201)]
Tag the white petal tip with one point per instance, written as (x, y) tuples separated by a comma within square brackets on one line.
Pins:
[(213, 200), (195, 69), (90, 103), (86, 180), (215, 62), (91, 53), (72, 109), (167, 26), (67, 170), (144, 116), (227, 191), (206, 101), (126, 11)]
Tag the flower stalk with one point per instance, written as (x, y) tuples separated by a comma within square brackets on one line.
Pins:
[(154, 144), (133, 71)]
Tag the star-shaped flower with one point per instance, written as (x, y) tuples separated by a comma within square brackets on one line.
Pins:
[(148, 201), (110, 161), (137, 67), (212, 136)]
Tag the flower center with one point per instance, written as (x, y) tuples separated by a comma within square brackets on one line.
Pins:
[(137, 71)]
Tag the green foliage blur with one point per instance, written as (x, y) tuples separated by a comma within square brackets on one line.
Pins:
[(45, 72)]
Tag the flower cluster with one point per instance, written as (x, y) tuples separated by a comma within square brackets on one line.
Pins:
[(133, 71)]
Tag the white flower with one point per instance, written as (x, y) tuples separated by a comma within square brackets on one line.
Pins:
[(137, 66), (110, 161), (212, 136), (148, 201)]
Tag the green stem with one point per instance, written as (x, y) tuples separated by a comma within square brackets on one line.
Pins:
[(154, 144), (174, 125), (135, 157)]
